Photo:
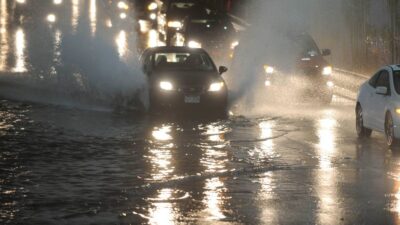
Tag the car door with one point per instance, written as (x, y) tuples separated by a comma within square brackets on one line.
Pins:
[(366, 96), (379, 101)]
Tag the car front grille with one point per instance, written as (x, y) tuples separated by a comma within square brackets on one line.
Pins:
[(192, 90)]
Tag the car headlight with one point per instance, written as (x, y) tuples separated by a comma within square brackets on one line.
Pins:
[(152, 6), (194, 44), (122, 5), (153, 16), (327, 71), (215, 87), (234, 44), (175, 24), (166, 86), (269, 69)]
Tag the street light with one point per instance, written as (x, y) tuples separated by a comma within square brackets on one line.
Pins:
[(57, 2)]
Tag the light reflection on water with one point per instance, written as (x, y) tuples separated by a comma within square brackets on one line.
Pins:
[(162, 212), (327, 140), (394, 203), (160, 158), (93, 16), (57, 46), (267, 189), (213, 198), (121, 43), (214, 159), (326, 177), (3, 35), (267, 146), (20, 45), (75, 15)]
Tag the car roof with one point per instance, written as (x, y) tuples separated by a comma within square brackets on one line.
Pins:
[(174, 49), (395, 67)]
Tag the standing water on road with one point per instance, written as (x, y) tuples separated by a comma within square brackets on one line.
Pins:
[(68, 157)]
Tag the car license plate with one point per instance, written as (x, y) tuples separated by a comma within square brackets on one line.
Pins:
[(192, 99)]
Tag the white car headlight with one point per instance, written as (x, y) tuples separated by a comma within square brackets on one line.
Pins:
[(194, 44), (215, 87), (152, 6), (269, 69), (327, 71), (175, 24), (234, 44), (166, 86)]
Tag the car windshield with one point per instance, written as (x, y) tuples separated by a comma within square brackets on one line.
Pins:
[(182, 61), (396, 79), (307, 45)]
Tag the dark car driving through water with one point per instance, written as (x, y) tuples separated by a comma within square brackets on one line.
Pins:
[(214, 33), (303, 66), (184, 79), (178, 12)]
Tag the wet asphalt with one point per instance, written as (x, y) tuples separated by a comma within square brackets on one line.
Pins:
[(291, 165)]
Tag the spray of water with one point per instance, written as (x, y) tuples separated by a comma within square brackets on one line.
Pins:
[(91, 59), (269, 41)]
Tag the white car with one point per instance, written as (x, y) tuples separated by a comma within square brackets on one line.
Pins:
[(378, 105)]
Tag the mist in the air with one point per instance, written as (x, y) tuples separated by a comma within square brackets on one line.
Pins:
[(269, 41)]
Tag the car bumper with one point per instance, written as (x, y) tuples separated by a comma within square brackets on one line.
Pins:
[(174, 101), (310, 85)]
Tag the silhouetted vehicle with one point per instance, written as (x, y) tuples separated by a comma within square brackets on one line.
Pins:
[(184, 79), (178, 12), (304, 66), (214, 33)]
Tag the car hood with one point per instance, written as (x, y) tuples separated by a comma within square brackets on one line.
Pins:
[(186, 78), (305, 63), (312, 62)]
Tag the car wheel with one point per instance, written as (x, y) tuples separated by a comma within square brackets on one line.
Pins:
[(389, 131), (361, 130)]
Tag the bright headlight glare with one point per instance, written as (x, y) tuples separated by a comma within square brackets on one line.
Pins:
[(327, 71), (398, 111), (234, 44), (215, 87), (122, 5), (175, 24), (153, 16), (269, 69), (152, 6), (166, 86), (194, 44)]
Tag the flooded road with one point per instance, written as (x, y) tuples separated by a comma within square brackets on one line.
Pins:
[(305, 166), (78, 163)]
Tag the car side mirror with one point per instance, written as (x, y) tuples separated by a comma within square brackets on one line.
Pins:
[(222, 69), (326, 52), (381, 91)]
